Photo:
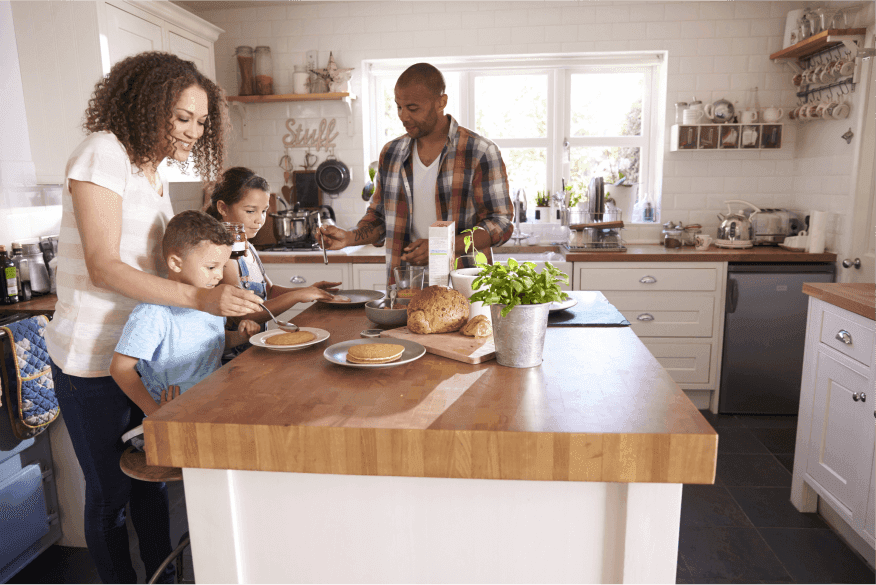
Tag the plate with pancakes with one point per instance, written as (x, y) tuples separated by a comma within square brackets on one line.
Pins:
[(283, 341), (353, 298), (374, 353)]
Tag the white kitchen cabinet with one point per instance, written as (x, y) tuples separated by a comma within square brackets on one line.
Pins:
[(834, 454), (369, 276), (62, 56), (297, 275), (676, 309)]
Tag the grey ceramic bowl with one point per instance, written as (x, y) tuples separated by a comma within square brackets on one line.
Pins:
[(396, 317)]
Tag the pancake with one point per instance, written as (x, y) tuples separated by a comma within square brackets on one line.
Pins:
[(296, 338), (374, 353), (340, 299)]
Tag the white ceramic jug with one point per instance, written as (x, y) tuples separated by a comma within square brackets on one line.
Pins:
[(773, 114)]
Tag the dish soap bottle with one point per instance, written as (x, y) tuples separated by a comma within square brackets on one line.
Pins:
[(8, 279)]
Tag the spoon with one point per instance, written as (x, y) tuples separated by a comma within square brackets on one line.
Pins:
[(392, 294), (284, 325)]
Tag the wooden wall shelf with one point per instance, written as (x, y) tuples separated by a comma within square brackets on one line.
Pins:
[(241, 101), (290, 97), (815, 43)]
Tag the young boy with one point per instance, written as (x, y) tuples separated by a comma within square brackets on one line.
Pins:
[(165, 347)]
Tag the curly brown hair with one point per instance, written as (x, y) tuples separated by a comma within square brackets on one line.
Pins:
[(135, 102)]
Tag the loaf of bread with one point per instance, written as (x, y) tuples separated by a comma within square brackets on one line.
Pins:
[(479, 326), (437, 309)]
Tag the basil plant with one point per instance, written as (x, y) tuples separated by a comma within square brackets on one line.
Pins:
[(515, 284)]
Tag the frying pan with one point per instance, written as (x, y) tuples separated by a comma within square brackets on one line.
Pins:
[(332, 175)]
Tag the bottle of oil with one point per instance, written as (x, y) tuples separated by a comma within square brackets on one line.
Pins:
[(8, 279)]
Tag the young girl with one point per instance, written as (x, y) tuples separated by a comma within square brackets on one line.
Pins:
[(242, 196)]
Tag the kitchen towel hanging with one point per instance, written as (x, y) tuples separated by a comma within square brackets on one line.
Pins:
[(817, 231), (27, 378)]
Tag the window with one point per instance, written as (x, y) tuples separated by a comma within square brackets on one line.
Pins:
[(556, 119)]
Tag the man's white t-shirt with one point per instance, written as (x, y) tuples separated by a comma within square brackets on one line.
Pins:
[(425, 211)]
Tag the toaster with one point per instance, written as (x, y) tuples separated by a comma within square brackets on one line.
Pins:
[(770, 227)]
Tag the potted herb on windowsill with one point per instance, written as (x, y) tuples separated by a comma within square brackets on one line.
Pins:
[(542, 207), (519, 299)]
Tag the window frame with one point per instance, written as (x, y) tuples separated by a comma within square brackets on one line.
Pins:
[(559, 69)]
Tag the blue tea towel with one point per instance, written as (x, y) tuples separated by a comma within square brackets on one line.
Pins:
[(30, 390)]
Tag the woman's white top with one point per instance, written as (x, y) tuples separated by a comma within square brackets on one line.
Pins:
[(88, 320)]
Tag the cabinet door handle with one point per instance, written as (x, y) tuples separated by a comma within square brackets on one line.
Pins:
[(844, 336), (859, 396), (298, 279), (645, 317), (647, 280)]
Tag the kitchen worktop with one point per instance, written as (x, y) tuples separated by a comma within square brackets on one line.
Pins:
[(41, 305), (612, 414), (859, 298), (635, 253)]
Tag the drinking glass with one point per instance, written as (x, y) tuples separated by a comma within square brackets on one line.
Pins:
[(409, 280)]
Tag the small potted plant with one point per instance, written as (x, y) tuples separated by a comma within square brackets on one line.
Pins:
[(466, 270), (519, 299), (542, 207)]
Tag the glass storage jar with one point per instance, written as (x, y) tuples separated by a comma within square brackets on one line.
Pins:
[(264, 71), (245, 72), (301, 80), (238, 248), (690, 233), (672, 235)]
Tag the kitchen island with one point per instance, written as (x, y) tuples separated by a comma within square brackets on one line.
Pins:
[(297, 469)]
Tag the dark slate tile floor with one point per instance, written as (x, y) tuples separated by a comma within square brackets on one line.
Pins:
[(743, 529)]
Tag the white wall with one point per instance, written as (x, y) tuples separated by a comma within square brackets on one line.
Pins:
[(28, 210), (716, 50)]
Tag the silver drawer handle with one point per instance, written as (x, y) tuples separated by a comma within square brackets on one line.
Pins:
[(859, 396), (645, 317), (647, 280), (844, 336), (298, 280)]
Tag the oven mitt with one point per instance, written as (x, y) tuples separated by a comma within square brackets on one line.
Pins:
[(27, 378)]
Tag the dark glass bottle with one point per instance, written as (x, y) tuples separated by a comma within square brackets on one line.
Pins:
[(23, 269), (8, 279)]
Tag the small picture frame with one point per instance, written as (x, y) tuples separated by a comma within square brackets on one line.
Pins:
[(305, 191), (688, 137), (772, 136), (730, 136), (709, 137)]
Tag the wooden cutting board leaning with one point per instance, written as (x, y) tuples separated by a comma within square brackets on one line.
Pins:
[(456, 346)]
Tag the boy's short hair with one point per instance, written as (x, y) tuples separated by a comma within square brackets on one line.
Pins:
[(186, 230)]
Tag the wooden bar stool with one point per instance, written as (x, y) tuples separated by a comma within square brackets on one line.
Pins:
[(133, 464)]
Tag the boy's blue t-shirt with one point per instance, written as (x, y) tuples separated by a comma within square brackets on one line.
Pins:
[(175, 346)]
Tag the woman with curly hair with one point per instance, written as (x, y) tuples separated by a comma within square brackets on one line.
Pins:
[(152, 106)]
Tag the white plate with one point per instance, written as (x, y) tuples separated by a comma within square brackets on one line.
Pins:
[(357, 297), (337, 353), (258, 339), (561, 305), (733, 244)]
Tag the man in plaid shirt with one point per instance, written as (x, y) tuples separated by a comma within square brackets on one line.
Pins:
[(438, 170)]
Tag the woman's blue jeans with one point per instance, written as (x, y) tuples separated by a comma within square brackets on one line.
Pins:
[(97, 413)]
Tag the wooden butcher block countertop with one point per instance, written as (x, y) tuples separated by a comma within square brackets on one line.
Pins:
[(657, 253), (857, 298), (600, 408)]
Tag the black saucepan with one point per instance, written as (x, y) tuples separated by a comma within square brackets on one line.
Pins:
[(332, 175)]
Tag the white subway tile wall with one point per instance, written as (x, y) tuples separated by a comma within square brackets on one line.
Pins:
[(716, 50)]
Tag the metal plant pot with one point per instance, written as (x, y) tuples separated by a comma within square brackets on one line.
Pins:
[(519, 337)]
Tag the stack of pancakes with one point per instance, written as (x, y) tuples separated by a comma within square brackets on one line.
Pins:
[(374, 353)]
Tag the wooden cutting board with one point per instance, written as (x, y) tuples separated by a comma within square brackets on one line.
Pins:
[(456, 346)]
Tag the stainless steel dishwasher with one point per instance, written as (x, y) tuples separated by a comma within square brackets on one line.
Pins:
[(764, 335)]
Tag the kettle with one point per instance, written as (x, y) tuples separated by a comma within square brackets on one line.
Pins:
[(735, 227)]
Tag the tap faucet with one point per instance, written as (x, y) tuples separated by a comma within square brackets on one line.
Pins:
[(517, 236)]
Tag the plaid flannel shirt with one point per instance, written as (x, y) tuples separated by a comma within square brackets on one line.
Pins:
[(472, 189)]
